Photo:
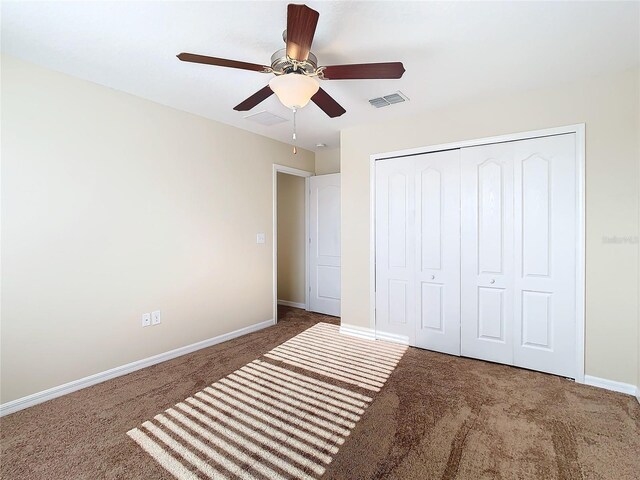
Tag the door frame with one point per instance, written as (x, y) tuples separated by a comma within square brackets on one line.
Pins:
[(298, 173), (579, 131)]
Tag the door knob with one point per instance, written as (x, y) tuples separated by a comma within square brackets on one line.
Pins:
[(433, 277), (493, 280)]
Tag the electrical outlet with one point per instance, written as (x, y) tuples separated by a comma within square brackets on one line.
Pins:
[(146, 319), (155, 317), (260, 238)]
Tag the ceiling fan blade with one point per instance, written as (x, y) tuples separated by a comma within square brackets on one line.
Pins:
[(221, 62), (327, 104), (364, 71), (258, 97), (301, 26)]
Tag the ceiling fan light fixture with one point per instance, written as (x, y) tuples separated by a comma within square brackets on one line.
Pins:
[(296, 68), (294, 90)]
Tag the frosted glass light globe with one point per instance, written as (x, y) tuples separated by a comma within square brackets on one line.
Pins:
[(294, 90)]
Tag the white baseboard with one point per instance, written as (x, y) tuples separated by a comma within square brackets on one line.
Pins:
[(60, 390), (287, 303), (392, 337), (371, 334), (611, 385), (356, 331)]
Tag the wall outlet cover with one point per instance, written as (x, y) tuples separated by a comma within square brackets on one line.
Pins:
[(146, 319), (155, 317), (261, 238)]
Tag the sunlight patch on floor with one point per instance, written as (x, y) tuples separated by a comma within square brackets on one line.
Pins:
[(269, 421)]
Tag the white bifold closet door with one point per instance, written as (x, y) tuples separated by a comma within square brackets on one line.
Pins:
[(518, 253), (418, 250), (438, 251), (487, 252), (476, 252)]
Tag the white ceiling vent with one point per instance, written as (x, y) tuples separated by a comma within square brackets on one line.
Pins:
[(387, 100), (265, 118)]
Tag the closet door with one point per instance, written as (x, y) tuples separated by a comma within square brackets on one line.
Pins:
[(437, 180), (545, 254), (395, 249), (487, 226)]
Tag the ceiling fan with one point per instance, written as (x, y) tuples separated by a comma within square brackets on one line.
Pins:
[(296, 68)]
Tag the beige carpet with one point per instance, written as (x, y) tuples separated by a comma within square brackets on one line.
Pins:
[(261, 407), (275, 419)]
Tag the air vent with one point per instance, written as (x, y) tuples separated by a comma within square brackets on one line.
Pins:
[(265, 118), (387, 100)]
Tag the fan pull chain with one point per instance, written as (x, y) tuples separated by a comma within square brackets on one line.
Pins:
[(295, 148)]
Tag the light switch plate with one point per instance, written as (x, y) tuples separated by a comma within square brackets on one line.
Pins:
[(155, 317), (261, 238)]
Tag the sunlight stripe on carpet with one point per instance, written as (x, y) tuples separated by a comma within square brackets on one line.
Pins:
[(278, 419)]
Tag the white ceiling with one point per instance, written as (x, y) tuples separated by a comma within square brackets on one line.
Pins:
[(452, 51)]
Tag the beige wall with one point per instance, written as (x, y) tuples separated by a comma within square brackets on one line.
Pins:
[(327, 161), (113, 206), (609, 107), (291, 235)]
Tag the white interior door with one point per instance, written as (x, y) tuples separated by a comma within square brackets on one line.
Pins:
[(395, 249), (324, 244), (487, 252), (438, 251), (476, 252), (418, 250), (518, 253), (545, 254)]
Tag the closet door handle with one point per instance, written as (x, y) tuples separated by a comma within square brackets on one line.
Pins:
[(493, 280), (433, 277)]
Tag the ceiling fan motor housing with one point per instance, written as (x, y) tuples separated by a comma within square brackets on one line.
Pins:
[(281, 64)]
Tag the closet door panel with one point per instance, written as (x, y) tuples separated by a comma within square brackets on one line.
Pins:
[(487, 227), (491, 314), (476, 252), (545, 258), (395, 248), (437, 271)]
